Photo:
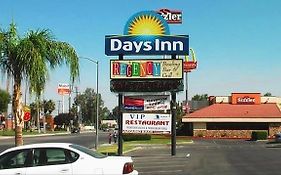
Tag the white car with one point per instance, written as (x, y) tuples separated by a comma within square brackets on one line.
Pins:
[(62, 158)]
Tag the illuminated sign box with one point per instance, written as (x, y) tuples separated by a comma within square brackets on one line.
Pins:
[(63, 89), (171, 16), (147, 103), (146, 45), (160, 85), (246, 98), (146, 69), (146, 122)]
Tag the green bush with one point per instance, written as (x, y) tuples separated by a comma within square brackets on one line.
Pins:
[(259, 135), (136, 137)]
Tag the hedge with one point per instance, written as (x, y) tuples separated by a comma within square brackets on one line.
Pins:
[(136, 137), (259, 135)]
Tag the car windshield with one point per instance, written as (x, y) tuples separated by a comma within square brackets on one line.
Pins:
[(88, 151)]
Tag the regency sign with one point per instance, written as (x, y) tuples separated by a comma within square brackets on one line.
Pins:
[(146, 122), (146, 69)]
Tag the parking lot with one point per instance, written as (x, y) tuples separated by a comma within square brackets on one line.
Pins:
[(225, 157)]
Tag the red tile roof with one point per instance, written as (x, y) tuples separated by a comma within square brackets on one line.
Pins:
[(237, 111)]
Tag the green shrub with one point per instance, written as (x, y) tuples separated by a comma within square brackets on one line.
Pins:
[(259, 135), (136, 137)]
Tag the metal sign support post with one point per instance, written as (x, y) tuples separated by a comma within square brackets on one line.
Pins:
[(173, 110), (174, 134), (120, 120)]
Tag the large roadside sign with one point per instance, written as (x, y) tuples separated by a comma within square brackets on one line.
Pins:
[(146, 122), (63, 89)]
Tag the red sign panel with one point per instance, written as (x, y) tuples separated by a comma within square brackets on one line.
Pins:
[(189, 65), (63, 89), (171, 16), (246, 98), (26, 116)]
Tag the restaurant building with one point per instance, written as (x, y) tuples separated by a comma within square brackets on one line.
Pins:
[(236, 116)]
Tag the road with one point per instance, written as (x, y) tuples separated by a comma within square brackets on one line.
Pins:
[(212, 157), (85, 139)]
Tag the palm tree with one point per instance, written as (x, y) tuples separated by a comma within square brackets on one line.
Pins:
[(28, 59)]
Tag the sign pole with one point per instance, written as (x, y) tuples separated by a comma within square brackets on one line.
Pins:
[(62, 103), (120, 121), (173, 132)]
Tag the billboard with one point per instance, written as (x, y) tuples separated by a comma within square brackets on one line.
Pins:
[(147, 103), (146, 122), (63, 89), (147, 33), (146, 69)]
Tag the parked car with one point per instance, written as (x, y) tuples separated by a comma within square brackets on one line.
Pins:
[(278, 137), (62, 158)]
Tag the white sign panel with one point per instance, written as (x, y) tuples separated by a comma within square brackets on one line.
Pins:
[(155, 103), (63, 89), (146, 122)]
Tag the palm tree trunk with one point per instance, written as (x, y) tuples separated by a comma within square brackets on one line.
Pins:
[(18, 113)]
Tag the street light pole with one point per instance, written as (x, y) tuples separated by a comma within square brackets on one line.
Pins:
[(97, 106)]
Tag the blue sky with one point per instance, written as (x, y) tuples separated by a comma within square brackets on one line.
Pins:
[(237, 43)]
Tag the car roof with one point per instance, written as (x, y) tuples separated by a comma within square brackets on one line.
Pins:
[(39, 145)]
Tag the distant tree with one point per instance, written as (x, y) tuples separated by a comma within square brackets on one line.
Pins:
[(115, 112), (198, 97), (48, 106), (63, 119), (268, 94), (5, 98), (88, 102)]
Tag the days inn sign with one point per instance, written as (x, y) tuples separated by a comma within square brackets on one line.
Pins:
[(146, 33)]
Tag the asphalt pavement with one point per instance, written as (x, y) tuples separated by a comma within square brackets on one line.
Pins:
[(86, 139), (212, 157)]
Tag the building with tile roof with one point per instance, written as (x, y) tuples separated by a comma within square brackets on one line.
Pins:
[(236, 116)]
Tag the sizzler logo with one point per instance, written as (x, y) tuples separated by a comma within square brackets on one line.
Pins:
[(146, 45), (171, 16), (245, 100)]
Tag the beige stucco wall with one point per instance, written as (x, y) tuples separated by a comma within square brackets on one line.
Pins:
[(199, 126)]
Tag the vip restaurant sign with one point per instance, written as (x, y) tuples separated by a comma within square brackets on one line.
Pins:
[(147, 103), (146, 33), (146, 122), (146, 69)]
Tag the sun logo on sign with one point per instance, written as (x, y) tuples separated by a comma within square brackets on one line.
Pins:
[(146, 23)]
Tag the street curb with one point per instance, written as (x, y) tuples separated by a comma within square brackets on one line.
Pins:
[(37, 135)]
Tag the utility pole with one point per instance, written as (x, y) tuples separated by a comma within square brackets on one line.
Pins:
[(59, 103)]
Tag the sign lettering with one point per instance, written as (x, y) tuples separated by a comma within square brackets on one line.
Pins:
[(146, 69), (146, 45)]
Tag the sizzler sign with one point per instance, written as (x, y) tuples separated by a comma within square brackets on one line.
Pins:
[(171, 16), (146, 45)]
